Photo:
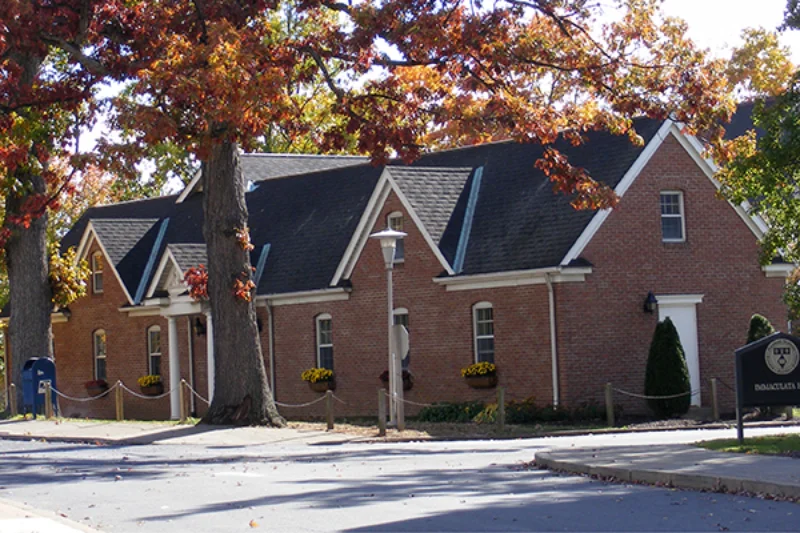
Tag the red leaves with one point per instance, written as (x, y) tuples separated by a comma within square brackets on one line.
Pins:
[(197, 280), (243, 287)]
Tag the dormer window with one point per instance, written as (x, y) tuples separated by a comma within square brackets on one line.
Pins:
[(673, 225), (395, 221), (97, 273)]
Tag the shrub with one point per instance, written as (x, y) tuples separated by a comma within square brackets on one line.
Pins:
[(527, 412), (479, 369), (315, 375), (149, 381), (760, 327), (666, 373), (450, 412)]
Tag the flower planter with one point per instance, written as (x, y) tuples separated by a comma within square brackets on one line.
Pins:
[(322, 386), (482, 382), (153, 390), (96, 390)]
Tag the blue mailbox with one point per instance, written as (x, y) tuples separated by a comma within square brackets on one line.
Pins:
[(35, 373)]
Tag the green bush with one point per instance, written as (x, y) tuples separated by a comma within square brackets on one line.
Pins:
[(527, 412), (450, 412), (666, 373), (760, 327)]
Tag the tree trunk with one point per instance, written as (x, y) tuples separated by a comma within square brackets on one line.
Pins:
[(29, 329), (241, 391)]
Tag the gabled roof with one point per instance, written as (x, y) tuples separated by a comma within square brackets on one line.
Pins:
[(260, 167), (483, 209)]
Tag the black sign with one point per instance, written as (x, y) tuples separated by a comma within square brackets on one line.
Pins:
[(768, 372)]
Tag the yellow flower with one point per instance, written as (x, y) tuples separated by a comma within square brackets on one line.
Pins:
[(315, 375), (479, 369)]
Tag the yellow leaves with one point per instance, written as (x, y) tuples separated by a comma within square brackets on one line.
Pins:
[(67, 277), (762, 65)]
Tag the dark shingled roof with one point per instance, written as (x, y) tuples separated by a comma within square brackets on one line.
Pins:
[(309, 219), (258, 167), (433, 193)]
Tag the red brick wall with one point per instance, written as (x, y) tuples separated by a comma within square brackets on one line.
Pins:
[(441, 336), (604, 335)]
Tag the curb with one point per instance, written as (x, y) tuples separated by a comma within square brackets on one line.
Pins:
[(667, 478), (46, 515)]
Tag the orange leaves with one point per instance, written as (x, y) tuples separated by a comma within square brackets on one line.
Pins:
[(197, 280), (243, 287)]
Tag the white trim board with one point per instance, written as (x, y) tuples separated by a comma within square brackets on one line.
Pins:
[(667, 300), (514, 278), (304, 297), (780, 270), (166, 259)]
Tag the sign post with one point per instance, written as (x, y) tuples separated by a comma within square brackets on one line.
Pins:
[(767, 373)]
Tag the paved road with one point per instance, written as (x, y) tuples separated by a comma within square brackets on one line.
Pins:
[(295, 486)]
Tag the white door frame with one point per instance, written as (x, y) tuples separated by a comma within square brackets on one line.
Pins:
[(685, 306)]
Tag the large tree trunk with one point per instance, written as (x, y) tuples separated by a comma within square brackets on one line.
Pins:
[(29, 329), (241, 393)]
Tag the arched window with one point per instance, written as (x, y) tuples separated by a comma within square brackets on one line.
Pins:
[(100, 353), (97, 273), (483, 327), (395, 221), (324, 341), (154, 350)]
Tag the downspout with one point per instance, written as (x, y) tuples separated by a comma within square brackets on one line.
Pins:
[(191, 363), (553, 341), (271, 333)]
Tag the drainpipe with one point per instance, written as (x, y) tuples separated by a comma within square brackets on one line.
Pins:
[(271, 334), (553, 341)]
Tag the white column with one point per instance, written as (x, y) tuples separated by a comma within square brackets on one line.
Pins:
[(210, 354), (174, 369)]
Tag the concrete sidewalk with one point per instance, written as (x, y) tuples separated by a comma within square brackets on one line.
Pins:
[(682, 466), (17, 518), (126, 433)]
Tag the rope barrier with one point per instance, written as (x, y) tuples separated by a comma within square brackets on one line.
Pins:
[(321, 398), (87, 399), (409, 401), (645, 397), (339, 399), (726, 385), (197, 394), (144, 396)]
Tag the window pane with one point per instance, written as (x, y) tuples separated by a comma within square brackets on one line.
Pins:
[(486, 350), (670, 204), (396, 223), (155, 341), (155, 365), (98, 282), (326, 357), (671, 228), (325, 336), (100, 368), (100, 344), (401, 320), (485, 314)]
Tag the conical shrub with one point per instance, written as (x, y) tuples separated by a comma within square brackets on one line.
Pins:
[(760, 327), (666, 373)]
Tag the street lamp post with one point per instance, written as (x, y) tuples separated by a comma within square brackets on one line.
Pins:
[(388, 239)]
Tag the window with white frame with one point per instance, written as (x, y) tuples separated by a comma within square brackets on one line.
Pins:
[(401, 318), (673, 224), (100, 352), (154, 350), (395, 221), (325, 341), (97, 272), (483, 326)]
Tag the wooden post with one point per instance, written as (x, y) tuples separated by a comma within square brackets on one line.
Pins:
[(12, 399), (118, 397), (501, 408), (329, 408), (714, 400), (609, 405), (182, 400), (381, 412), (48, 401)]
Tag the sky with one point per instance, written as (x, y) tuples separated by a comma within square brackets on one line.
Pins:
[(717, 24)]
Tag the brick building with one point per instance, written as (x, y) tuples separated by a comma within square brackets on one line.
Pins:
[(496, 266)]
